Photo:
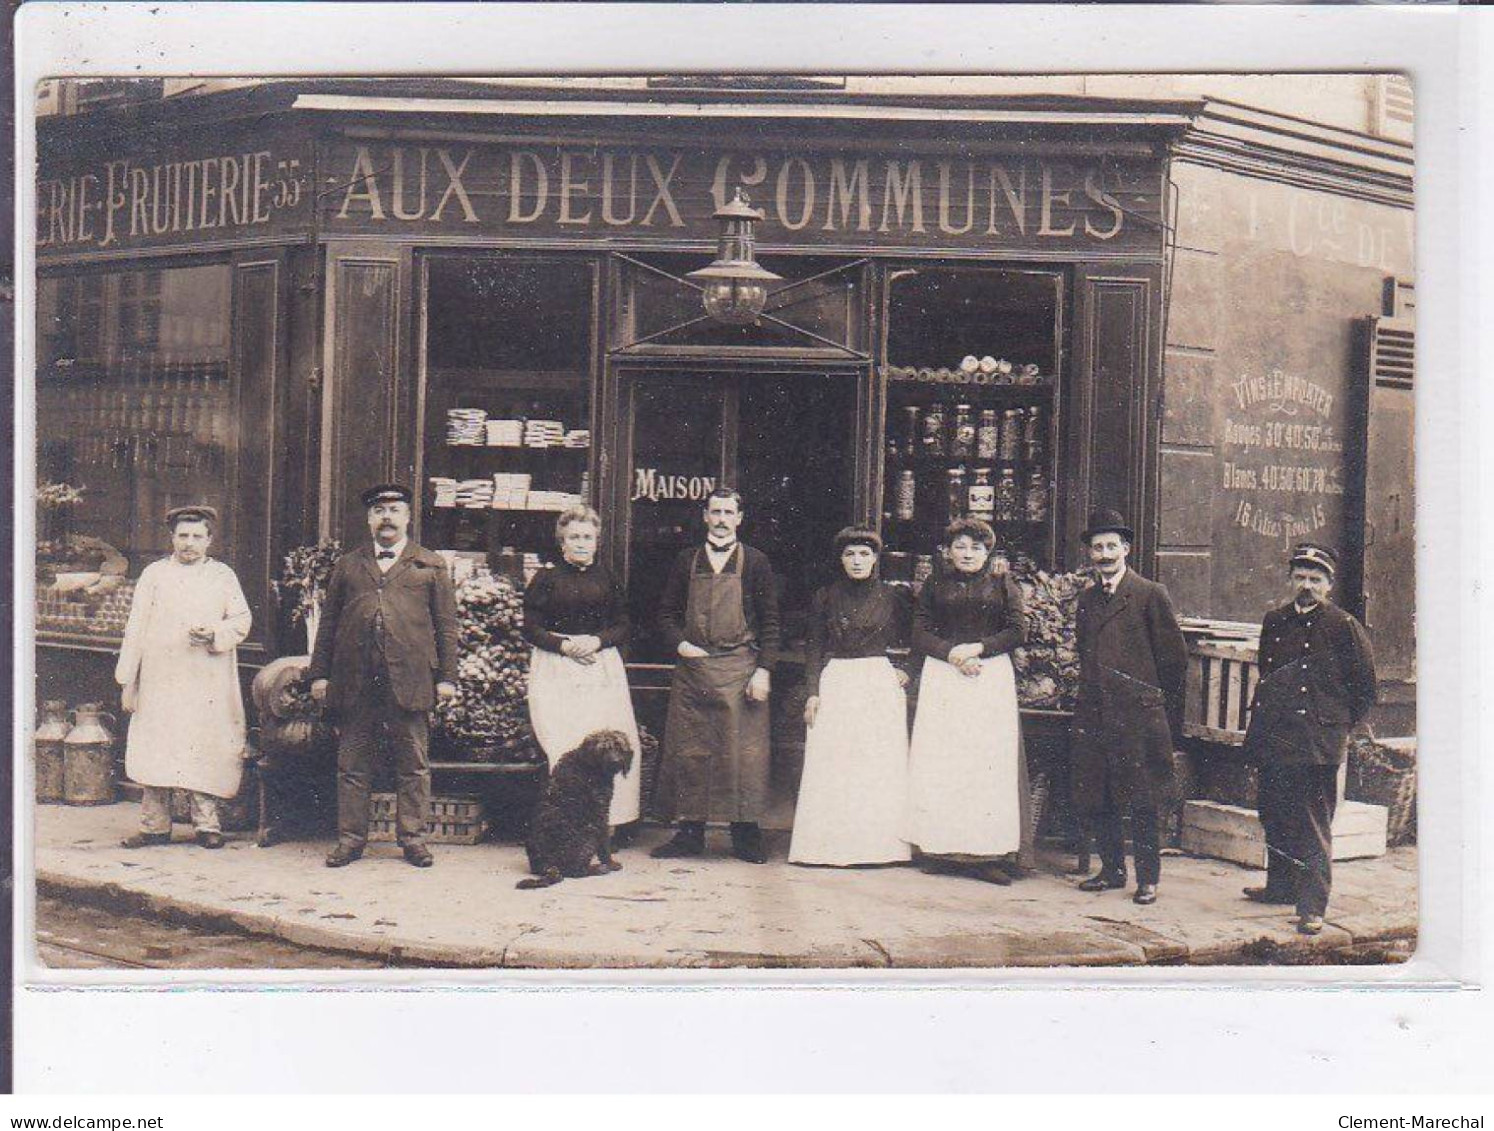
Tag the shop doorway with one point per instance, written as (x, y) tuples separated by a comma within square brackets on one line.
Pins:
[(785, 440)]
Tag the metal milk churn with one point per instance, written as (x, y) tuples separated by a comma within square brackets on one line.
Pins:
[(88, 758), (47, 743)]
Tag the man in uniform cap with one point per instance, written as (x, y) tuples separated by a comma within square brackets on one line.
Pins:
[(1132, 662), (386, 650), (1317, 682)]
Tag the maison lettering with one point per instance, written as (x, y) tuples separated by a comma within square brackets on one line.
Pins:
[(650, 485)]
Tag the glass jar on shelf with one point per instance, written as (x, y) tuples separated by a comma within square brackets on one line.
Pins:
[(1032, 434), (982, 495), (1036, 501), (906, 504), (962, 434), (988, 435), (910, 436), (931, 438), (956, 492), (1007, 502), (1011, 434)]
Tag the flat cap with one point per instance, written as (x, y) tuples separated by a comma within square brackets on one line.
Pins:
[(386, 493), (1316, 556), (196, 512)]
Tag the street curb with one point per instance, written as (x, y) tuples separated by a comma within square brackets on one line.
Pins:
[(1131, 946)]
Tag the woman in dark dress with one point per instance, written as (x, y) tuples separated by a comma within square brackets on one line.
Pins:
[(965, 774), (853, 795), (575, 616)]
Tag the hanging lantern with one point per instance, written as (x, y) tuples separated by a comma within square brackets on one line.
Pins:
[(735, 288)]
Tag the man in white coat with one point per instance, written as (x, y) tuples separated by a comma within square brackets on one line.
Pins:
[(179, 680)]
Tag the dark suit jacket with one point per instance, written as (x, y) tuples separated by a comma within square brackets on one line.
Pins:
[(420, 627), (1132, 663), (1317, 683)]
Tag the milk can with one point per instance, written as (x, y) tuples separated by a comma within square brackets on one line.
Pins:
[(88, 758), (48, 745)]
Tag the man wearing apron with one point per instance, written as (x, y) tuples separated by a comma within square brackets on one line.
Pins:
[(720, 615)]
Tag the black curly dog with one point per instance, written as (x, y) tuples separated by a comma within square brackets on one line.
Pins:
[(570, 822)]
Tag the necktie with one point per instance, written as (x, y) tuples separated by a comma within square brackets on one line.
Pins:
[(386, 555)]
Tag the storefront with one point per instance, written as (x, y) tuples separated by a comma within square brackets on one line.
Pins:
[(325, 287)]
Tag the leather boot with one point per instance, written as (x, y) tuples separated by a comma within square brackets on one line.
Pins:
[(747, 842), (688, 840)]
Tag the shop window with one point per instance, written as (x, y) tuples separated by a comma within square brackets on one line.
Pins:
[(135, 415), (507, 404), (813, 307), (972, 366)]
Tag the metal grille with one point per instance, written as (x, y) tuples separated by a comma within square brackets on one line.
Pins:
[(1393, 353), (1395, 107)]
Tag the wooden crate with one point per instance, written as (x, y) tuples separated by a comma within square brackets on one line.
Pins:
[(1221, 681), (452, 820), (1232, 832)]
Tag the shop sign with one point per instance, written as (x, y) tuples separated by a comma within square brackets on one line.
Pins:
[(653, 486), (1282, 475), (191, 195), (889, 199)]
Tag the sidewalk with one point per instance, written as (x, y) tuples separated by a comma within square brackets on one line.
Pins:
[(707, 913)]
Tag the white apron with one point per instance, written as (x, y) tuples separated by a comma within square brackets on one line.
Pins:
[(853, 795), (963, 764), (187, 729), (569, 700)]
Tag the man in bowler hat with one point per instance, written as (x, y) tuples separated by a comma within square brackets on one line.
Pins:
[(1317, 682), (1132, 663), (386, 651)]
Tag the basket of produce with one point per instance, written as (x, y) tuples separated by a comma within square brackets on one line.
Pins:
[(1383, 772)]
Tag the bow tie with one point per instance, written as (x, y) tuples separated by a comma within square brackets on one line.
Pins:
[(386, 555)]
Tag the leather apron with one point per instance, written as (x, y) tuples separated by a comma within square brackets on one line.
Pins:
[(716, 740)]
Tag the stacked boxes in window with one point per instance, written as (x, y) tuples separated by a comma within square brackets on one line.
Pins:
[(452, 820)]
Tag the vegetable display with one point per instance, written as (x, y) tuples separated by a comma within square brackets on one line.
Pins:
[(1047, 665), (490, 714)]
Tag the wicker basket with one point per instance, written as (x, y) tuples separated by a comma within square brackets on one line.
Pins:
[(1384, 773)]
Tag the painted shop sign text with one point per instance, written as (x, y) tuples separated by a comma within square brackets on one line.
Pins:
[(581, 191), (131, 201)]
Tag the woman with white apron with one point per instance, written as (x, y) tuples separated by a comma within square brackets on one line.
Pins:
[(966, 778), (853, 794), (575, 615)]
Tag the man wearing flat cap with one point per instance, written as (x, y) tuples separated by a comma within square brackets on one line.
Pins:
[(178, 675), (1317, 682), (386, 651), (1132, 663)]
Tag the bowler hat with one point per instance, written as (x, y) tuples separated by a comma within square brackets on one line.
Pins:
[(387, 493), (1105, 521), (199, 512), (1314, 555)]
